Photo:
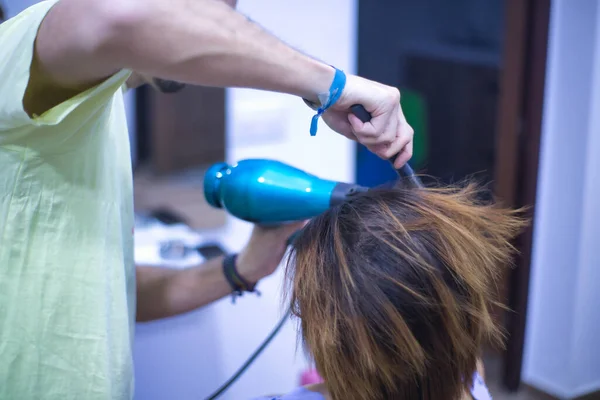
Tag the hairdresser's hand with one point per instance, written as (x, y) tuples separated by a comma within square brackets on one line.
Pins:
[(265, 250), (388, 133)]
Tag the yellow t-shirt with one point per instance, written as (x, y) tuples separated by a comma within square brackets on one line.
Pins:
[(67, 276)]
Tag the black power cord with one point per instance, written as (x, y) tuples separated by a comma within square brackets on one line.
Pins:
[(251, 359), (261, 348)]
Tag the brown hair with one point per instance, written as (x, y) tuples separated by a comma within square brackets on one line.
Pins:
[(394, 287)]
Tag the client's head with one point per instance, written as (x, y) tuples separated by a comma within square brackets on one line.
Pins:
[(394, 288)]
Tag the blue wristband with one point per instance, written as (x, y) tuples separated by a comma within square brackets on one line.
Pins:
[(335, 91)]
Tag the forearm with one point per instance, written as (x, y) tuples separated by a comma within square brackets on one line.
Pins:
[(165, 292), (201, 42)]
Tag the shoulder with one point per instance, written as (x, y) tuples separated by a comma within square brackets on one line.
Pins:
[(27, 20), (27, 98), (17, 38)]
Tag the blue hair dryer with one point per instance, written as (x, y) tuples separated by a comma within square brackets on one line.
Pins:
[(269, 192)]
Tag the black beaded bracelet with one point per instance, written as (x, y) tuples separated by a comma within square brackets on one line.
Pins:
[(238, 284)]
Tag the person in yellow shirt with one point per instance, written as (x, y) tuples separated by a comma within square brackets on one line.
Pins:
[(69, 290)]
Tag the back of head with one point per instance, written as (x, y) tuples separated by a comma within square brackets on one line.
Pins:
[(394, 288)]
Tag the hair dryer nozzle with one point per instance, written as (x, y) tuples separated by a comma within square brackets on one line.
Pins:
[(271, 192), (212, 183)]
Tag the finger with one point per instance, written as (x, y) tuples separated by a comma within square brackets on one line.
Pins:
[(339, 123), (366, 132), (392, 140), (393, 148), (405, 137), (381, 150), (404, 156), (389, 129), (349, 134), (380, 130)]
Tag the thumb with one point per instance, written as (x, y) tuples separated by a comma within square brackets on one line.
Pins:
[(362, 129), (355, 122)]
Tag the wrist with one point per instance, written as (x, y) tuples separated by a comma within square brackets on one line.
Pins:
[(239, 284), (318, 82), (247, 269), (326, 99)]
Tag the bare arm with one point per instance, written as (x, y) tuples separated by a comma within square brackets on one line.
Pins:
[(203, 42), (164, 292)]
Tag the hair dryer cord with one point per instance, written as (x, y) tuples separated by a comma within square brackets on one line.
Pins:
[(251, 359)]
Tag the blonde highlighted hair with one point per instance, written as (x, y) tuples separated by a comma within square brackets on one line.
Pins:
[(394, 289)]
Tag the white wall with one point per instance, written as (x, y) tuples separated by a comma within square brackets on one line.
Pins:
[(562, 352), (190, 356)]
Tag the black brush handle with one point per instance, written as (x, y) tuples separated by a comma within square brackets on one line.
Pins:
[(406, 170)]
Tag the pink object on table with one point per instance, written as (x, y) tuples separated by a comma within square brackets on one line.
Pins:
[(310, 377)]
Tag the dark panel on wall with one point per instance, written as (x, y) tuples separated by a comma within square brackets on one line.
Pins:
[(182, 130), (461, 100)]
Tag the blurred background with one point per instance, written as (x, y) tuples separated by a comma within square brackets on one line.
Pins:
[(500, 90)]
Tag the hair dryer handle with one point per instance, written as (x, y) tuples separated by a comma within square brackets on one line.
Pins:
[(406, 170)]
